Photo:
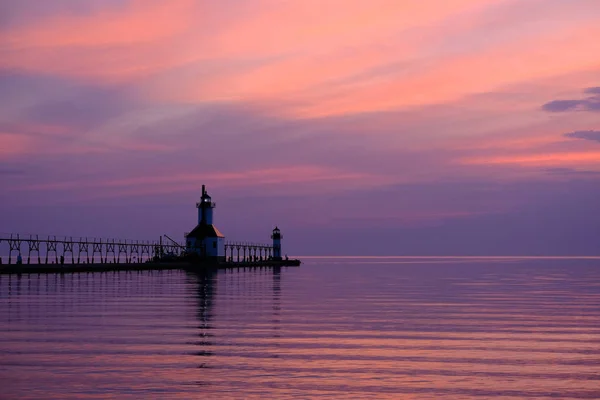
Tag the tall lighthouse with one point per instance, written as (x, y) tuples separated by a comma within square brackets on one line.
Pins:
[(276, 236), (205, 240)]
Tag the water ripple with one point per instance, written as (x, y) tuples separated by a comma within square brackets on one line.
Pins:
[(504, 328)]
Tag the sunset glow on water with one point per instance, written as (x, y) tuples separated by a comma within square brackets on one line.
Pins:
[(335, 327)]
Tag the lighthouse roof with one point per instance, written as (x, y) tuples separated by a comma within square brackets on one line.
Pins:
[(204, 231)]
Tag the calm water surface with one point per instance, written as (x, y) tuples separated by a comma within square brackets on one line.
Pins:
[(338, 328)]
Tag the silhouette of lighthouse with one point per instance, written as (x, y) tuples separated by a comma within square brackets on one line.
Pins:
[(205, 208), (276, 236), (206, 240)]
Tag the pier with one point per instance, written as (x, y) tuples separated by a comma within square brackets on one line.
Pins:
[(204, 247), (35, 254), (83, 250)]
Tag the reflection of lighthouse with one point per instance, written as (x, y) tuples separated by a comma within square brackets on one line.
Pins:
[(205, 283), (276, 236), (206, 240)]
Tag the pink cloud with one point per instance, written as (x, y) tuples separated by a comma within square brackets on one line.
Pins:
[(141, 21), (449, 78), (582, 158), (305, 58), (301, 71), (13, 145), (291, 179), (312, 27), (112, 44)]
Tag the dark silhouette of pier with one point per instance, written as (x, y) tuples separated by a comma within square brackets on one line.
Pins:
[(246, 252), (32, 253), (69, 250)]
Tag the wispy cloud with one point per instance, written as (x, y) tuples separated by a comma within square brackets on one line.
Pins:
[(543, 159), (586, 135), (590, 103), (570, 172)]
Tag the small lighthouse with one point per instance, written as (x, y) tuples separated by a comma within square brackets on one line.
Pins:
[(276, 236), (205, 240)]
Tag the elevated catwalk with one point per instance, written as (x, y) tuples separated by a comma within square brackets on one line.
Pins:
[(53, 254)]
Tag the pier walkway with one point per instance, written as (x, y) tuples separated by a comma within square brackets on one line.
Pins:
[(68, 254)]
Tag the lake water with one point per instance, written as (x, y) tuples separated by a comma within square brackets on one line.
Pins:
[(464, 328)]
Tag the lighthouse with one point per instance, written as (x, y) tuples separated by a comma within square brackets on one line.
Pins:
[(205, 208), (205, 239), (276, 236)]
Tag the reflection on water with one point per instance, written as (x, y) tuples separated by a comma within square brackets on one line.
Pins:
[(351, 328)]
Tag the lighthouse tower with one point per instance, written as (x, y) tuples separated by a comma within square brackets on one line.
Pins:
[(205, 208), (276, 236), (205, 240)]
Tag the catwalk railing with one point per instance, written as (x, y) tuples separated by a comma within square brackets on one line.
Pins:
[(57, 249), (34, 249), (247, 252)]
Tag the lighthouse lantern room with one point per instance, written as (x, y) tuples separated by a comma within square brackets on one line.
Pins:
[(205, 240)]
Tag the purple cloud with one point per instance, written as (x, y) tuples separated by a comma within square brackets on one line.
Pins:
[(592, 90), (26, 11), (561, 105), (551, 217), (546, 218), (11, 171), (586, 135), (55, 101), (570, 172), (590, 104)]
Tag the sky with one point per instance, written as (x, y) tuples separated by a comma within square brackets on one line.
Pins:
[(380, 127)]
